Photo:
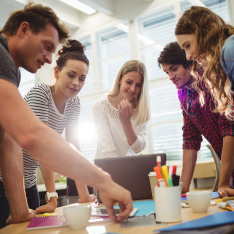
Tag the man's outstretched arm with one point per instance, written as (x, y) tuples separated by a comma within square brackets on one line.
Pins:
[(47, 147)]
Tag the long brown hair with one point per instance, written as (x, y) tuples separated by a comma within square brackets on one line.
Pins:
[(211, 32)]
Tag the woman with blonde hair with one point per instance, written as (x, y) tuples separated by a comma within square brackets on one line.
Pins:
[(121, 116), (207, 39)]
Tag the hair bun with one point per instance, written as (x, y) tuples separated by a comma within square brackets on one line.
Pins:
[(72, 46)]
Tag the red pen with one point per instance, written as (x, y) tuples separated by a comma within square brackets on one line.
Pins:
[(161, 181)]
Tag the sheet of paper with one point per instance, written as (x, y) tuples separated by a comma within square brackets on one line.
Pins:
[(138, 222)]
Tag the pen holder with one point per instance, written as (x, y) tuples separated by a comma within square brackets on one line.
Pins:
[(168, 204)]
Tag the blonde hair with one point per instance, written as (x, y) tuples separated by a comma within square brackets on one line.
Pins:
[(142, 101), (211, 32)]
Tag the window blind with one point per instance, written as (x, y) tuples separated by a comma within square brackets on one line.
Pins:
[(157, 27), (88, 87), (87, 133), (113, 50), (217, 6)]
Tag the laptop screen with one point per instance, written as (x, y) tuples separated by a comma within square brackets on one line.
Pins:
[(131, 172)]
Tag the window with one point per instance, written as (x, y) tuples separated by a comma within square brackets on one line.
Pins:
[(155, 31), (217, 6), (113, 51), (87, 134), (89, 81)]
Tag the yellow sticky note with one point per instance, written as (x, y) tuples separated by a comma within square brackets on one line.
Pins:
[(49, 214)]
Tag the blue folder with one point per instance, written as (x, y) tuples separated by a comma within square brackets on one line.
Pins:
[(208, 221)]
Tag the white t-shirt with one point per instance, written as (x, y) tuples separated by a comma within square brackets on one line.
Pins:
[(40, 100), (111, 139)]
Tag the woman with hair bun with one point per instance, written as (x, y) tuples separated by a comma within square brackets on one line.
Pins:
[(121, 117), (58, 106)]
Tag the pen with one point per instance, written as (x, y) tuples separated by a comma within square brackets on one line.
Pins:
[(161, 181)]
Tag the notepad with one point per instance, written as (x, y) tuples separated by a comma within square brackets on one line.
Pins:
[(46, 222)]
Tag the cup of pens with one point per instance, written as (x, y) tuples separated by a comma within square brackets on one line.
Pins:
[(167, 196)]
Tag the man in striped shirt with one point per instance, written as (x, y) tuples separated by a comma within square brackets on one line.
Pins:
[(198, 119), (28, 39)]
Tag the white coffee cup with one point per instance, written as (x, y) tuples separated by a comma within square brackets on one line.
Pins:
[(199, 201), (77, 216)]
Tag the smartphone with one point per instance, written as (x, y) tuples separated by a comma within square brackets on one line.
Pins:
[(102, 212)]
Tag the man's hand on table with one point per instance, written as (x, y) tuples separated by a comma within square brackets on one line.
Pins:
[(49, 207), (226, 191), (116, 193), (21, 217)]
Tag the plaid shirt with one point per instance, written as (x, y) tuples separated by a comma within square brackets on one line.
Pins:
[(200, 121)]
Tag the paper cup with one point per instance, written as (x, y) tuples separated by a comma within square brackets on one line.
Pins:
[(153, 181), (167, 204)]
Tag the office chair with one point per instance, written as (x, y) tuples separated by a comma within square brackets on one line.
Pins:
[(217, 166)]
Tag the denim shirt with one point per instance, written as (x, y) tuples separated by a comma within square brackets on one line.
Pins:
[(227, 59)]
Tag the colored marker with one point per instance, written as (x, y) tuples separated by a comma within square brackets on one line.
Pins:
[(159, 161), (161, 181), (169, 181), (165, 174), (174, 170)]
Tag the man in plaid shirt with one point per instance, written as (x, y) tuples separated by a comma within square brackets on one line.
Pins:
[(198, 119)]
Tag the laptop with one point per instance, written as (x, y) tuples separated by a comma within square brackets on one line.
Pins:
[(131, 172)]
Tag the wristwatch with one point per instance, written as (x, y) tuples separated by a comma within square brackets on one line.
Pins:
[(49, 195)]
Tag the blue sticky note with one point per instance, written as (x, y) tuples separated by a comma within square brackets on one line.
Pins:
[(208, 221), (144, 207)]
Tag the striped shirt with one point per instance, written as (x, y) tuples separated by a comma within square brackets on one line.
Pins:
[(40, 100)]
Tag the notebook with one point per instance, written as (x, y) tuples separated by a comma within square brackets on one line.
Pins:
[(46, 222), (53, 221), (131, 172)]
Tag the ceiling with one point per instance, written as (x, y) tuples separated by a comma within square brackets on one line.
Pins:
[(66, 13)]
